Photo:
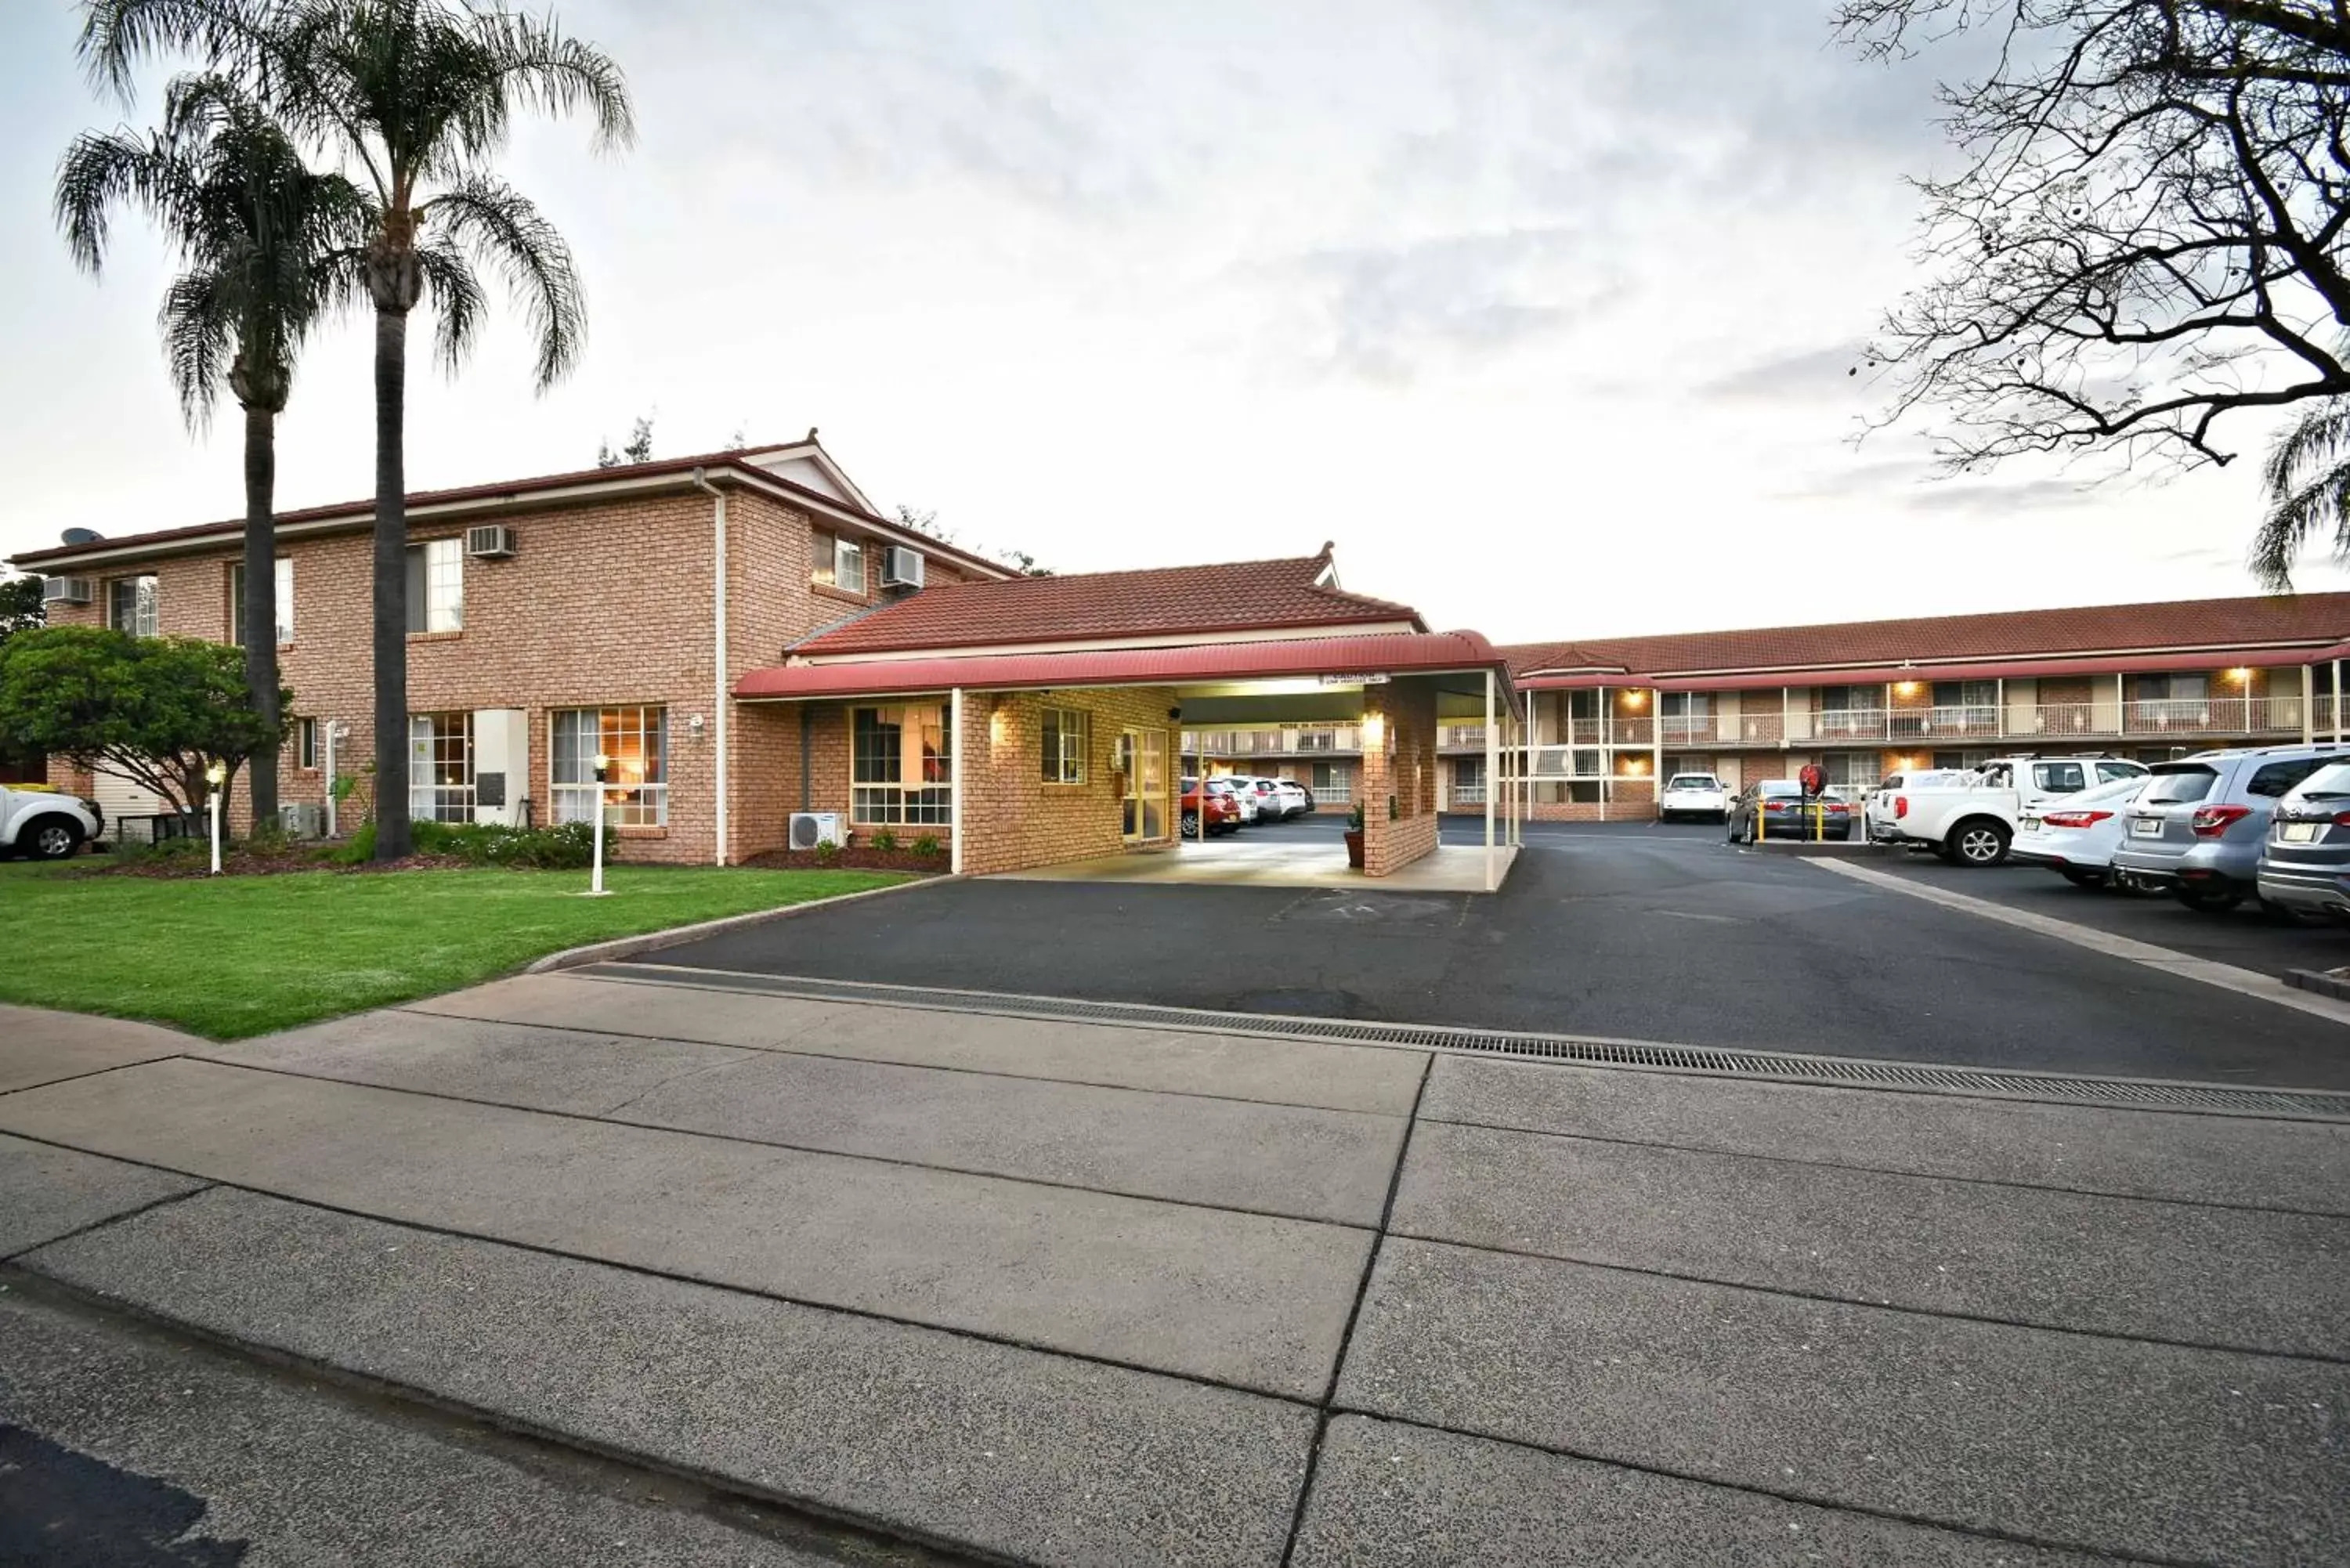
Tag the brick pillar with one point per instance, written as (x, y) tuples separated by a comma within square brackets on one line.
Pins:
[(1401, 769)]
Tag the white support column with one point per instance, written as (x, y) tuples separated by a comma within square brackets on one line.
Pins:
[(2121, 705), (1492, 778), (2337, 702), (957, 763), (2308, 704), (1656, 748)]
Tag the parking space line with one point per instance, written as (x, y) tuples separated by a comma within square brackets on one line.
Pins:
[(2227, 977)]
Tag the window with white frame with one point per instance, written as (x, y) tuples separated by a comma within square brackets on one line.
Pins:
[(1065, 745), (436, 585), (838, 563), (130, 606), (305, 732), (635, 744), (901, 765), (440, 767), (282, 592), (1330, 783)]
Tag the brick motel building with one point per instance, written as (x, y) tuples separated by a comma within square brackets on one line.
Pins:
[(747, 638)]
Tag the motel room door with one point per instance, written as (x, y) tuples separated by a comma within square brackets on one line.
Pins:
[(1143, 812)]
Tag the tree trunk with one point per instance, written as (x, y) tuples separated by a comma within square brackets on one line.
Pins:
[(261, 599), (391, 828)]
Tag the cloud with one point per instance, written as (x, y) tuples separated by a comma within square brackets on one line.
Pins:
[(1833, 374)]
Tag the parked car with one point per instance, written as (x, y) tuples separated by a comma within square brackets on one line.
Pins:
[(1693, 794), (1269, 801), (2074, 836), (1243, 798), (2198, 829), (1223, 809), (44, 825), (1776, 808), (1972, 821), (1295, 798), (2304, 867)]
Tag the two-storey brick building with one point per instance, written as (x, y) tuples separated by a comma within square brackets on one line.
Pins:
[(747, 637)]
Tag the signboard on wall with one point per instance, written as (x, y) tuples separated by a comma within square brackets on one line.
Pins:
[(1379, 679)]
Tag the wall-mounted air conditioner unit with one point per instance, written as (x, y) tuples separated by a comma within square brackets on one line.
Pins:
[(901, 568), (64, 590), (302, 819), (810, 828), (490, 542)]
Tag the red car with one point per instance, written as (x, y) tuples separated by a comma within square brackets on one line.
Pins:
[(1223, 809)]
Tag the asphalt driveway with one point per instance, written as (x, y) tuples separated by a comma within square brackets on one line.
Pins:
[(1632, 932), (1066, 1294)]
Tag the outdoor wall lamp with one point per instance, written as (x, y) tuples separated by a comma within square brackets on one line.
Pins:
[(694, 725), (2240, 677), (1905, 689)]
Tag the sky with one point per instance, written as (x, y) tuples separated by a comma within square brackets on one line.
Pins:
[(1542, 311)]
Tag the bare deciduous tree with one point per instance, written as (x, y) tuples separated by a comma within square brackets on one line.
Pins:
[(2145, 231)]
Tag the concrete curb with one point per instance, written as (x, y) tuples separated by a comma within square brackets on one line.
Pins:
[(649, 942), (2322, 983)]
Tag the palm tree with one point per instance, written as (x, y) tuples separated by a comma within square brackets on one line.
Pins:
[(259, 234), (417, 96), (2307, 477)]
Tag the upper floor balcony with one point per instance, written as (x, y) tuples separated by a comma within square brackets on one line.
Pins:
[(1291, 740), (2200, 717)]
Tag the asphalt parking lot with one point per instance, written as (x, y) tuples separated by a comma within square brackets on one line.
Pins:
[(1626, 930)]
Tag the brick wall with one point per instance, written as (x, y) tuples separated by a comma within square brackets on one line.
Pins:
[(1401, 769), (1014, 820), (604, 604)]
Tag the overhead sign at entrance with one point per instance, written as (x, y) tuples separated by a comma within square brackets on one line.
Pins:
[(1354, 679)]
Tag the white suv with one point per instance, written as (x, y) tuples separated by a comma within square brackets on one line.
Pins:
[(1693, 794)]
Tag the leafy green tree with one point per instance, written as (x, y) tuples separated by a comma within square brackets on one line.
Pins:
[(21, 608), (259, 235), (640, 448), (157, 709), (417, 96), (2307, 478)]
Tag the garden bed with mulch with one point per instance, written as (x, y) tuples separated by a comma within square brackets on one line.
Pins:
[(243, 860), (856, 858)]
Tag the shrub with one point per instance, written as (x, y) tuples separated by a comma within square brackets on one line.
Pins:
[(827, 851), (563, 847), (927, 845), (886, 841)]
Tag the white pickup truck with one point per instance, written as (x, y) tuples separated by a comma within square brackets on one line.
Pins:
[(1968, 819), (45, 825)]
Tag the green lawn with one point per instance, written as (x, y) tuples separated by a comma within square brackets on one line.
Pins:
[(244, 955)]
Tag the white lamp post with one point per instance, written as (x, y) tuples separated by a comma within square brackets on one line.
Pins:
[(335, 732), (596, 831), (216, 776)]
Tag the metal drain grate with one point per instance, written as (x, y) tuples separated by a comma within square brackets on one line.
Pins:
[(1579, 1051)]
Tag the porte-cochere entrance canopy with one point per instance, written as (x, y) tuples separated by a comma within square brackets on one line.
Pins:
[(1051, 756)]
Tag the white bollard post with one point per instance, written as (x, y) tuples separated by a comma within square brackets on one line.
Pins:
[(596, 832), (215, 776)]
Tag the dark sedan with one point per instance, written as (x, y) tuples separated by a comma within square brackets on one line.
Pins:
[(1776, 808)]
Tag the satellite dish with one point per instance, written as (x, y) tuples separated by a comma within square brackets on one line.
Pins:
[(81, 536)]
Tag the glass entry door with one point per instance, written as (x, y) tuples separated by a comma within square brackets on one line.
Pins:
[(1143, 812)]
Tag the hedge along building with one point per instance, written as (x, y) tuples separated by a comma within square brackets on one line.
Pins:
[(747, 637)]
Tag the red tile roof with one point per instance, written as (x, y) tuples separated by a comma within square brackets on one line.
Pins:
[(735, 462), (1388, 653), (1241, 595), (2235, 624)]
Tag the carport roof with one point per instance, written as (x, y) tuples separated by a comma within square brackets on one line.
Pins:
[(1344, 659)]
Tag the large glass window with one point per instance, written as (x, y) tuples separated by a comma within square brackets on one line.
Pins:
[(1065, 746), (440, 767), (635, 740), (130, 606), (901, 765), (436, 585), (282, 592), (839, 564)]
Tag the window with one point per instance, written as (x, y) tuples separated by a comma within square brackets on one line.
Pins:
[(2060, 778), (1467, 781), (1852, 699), (635, 741), (2107, 772), (1331, 783), (440, 767), (1065, 746), (1850, 770), (901, 765), (282, 592), (839, 564), (2176, 783), (130, 606), (1966, 694), (436, 585), (305, 742), (2173, 688), (1685, 704), (2274, 778)]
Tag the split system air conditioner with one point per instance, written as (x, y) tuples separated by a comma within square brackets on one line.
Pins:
[(810, 828), (302, 819), (64, 590), (901, 567), (490, 542)]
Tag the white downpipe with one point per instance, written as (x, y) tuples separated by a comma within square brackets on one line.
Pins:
[(1492, 780), (955, 765), (2308, 705), (718, 718), (2337, 702)]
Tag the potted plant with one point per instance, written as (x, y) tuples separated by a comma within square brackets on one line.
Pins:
[(1354, 836)]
